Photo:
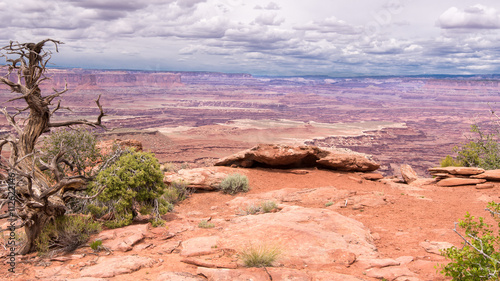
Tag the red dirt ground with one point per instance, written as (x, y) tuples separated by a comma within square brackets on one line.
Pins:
[(409, 218)]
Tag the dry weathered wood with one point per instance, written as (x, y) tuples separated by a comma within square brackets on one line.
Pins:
[(40, 198)]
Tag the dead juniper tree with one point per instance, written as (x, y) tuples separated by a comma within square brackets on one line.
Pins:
[(39, 197)]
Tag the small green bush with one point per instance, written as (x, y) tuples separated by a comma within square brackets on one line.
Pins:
[(205, 224), (234, 183), (482, 151), (262, 255), (66, 233), (479, 257), (328, 204), (96, 245), (449, 161), (133, 184)]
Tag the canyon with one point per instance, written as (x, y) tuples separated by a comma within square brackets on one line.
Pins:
[(198, 117), (330, 224)]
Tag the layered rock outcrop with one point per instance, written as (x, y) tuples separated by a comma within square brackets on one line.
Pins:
[(284, 156), (457, 176)]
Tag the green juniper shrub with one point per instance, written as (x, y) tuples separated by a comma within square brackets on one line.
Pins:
[(479, 257), (234, 183), (66, 233), (449, 161), (481, 151), (134, 183)]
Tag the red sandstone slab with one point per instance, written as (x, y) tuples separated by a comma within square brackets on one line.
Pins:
[(459, 181)]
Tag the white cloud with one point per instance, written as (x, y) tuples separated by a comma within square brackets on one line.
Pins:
[(269, 19), (270, 6), (330, 25), (474, 17)]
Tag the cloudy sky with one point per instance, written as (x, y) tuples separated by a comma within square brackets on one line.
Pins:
[(265, 37)]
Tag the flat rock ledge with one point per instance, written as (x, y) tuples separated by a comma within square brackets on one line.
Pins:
[(284, 156), (458, 176)]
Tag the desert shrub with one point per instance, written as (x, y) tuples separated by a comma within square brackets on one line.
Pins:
[(66, 233), (262, 255), (479, 258), (205, 224), (134, 183), (177, 191), (263, 207), (449, 161), (328, 204), (79, 146), (268, 206), (482, 150), (251, 210), (234, 183)]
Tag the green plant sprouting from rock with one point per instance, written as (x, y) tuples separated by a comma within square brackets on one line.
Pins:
[(262, 255)]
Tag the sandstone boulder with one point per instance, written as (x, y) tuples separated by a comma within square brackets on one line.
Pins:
[(484, 186), (464, 171), (460, 181), (348, 162), (315, 237), (408, 174), (200, 178), (284, 156), (490, 175)]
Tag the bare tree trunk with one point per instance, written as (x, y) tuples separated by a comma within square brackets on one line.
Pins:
[(41, 198), (38, 221)]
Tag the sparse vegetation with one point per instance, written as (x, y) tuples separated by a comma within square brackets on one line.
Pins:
[(66, 233), (482, 150), (234, 183), (328, 204), (79, 146), (176, 192), (479, 258), (205, 224), (262, 255), (263, 207)]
